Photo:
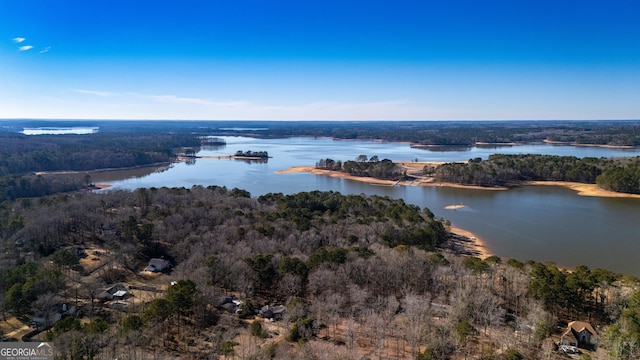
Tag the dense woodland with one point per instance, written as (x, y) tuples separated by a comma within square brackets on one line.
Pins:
[(359, 276), (21, 156), (622, 175)]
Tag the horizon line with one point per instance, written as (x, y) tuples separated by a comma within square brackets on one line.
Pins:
[(312, 120)]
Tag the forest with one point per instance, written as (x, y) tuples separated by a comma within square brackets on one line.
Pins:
[(22, 157), (20, 154), (621, 175), (354, 276)]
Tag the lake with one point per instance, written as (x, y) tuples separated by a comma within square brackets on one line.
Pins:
[(542, 223), (76, 130)]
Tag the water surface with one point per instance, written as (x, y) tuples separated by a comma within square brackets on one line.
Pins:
[(77, 130), (542, 223)]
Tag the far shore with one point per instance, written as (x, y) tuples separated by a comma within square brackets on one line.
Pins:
[(482, 143), (232, 157), (551, 142), (66, 172), (584, 189), (414, 168)]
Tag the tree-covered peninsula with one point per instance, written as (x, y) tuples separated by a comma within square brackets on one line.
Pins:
[(621, 175)]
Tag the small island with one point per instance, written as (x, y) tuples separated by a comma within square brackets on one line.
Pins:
[(248, 156), (257, 155), (366, 167)]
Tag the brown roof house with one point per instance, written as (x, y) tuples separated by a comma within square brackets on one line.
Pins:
[(580, 334)]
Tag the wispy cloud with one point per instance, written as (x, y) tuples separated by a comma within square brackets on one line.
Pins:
[(166, 99), (25, 47), (19, 39), (45, 50), (170, 106), (192, 101), (93, 92)]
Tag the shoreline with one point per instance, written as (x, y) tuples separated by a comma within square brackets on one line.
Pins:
[(564, 143), (67, 172), (232, 157), (580, 188), (473, 246), (583, 189), (418, 181)]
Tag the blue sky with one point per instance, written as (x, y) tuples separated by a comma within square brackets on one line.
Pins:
[(320, 60)]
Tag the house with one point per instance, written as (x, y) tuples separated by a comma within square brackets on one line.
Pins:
[(157, 265), (115, 292), (46, 319), (273, 312), (51, 315), (228, 307), (579, 333)]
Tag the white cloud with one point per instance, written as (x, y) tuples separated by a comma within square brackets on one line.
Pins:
[(45, 50), (25, 48), (19, 39)]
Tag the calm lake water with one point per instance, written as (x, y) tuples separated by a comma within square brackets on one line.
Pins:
[(541, 223), (76, 130)]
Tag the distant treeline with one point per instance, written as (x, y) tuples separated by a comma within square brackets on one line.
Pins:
[(373, 167), (452, 133), (22, 155), (460, 133), (622, 175), (14, 186)]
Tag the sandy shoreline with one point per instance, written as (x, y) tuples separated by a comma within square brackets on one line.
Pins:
[(415, 168), (410, 166), (454, 207), (231, 157), (584, 189), (476, 247), (551, 142), (336, 174)]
